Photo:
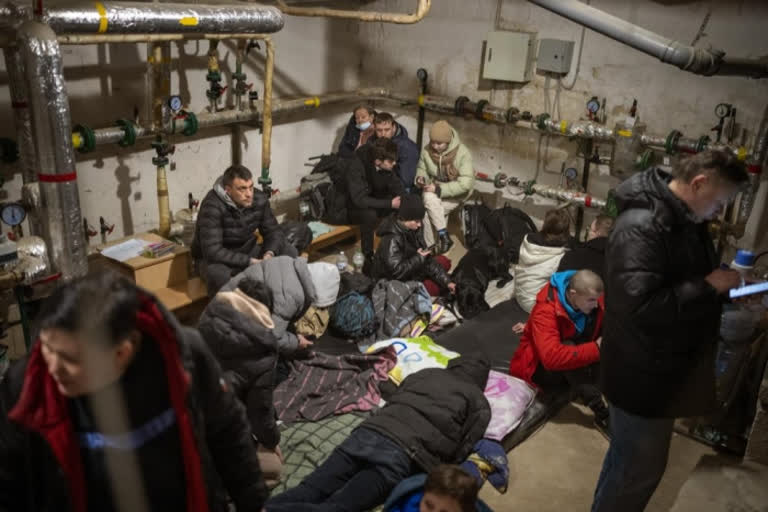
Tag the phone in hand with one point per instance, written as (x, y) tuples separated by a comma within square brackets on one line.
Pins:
[(749, 289)]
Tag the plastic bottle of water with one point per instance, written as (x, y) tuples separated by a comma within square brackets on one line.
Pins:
[(341, 262), (358, 260)]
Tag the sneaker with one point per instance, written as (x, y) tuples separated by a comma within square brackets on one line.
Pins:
[(444, 244), (602, 418)]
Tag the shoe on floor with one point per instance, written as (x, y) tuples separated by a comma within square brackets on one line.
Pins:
[(602, 418), (444, 243)]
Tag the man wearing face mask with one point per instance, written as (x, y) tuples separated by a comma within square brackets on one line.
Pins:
[(371, 189), (446, 178), (664, 294), (358, 131)]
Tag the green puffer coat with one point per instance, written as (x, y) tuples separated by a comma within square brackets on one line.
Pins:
[(462, 186)]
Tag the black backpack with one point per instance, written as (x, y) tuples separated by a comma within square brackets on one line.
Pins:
[(473, 216), (318, 197), (506, 227)]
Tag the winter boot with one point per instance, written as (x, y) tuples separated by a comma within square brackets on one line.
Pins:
[(602, 417), (368, 265), (444, 243)]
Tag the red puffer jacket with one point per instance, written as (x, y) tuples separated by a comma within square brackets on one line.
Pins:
[(542, 341)]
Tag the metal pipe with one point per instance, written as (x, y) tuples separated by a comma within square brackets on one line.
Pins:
[(160, 79), (149, 18), (696, 60), (266, 124), (23, 120), (421, 10), (584, 184), (52, 135)]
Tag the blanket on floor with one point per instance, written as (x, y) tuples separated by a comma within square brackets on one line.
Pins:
[(324, 385)]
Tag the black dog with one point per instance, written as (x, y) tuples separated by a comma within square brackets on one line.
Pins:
[(476, 269)]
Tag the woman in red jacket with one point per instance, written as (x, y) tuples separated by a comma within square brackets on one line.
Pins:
[(561, 341)]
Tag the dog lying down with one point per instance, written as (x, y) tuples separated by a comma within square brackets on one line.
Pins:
[(476, 269)]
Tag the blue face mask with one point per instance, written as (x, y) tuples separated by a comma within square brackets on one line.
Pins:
[(364, 126)]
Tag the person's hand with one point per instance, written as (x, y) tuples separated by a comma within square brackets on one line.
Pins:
[(424, 252), (429, 188), (599, 342), (304, 342), (279, 454), (396, 203), (518, 328), (267, 255), (255, 261), (452, 288), (723, 280)]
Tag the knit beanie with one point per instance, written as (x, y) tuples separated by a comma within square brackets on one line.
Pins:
[(326, 279), (411, 208), (441, 131)]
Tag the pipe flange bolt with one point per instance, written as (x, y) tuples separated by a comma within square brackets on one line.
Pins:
[(9, 151), (703, 143), (670, 145), (87, 138), (541, 121), (512, 115), (190, 124), (129, 131), (479, 108), (500, 180), (160, 161), (458, 107)]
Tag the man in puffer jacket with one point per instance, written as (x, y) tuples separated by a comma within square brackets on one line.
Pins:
[(407, 151), (402, 254), (434, 417), (225, 234), (291, 284), (238, 328), (446, 178)]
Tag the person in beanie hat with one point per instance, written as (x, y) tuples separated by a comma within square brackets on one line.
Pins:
[(402, 254), (446, 178)]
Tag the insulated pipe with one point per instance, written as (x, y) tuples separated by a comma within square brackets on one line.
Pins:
[(150, 18), (748, 215), (52, 135), (669, 51), (421, 10), (23, 120), (160, 74), (266, 124)]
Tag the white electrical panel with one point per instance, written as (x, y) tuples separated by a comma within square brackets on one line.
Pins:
[(509, 56), (555, 56)]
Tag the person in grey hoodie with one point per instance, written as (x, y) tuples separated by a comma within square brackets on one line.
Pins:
[(225, 236)]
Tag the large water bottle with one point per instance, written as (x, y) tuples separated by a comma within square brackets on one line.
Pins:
[(342, 262), (358, 260)]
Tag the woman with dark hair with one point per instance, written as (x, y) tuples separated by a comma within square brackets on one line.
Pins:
[(540, 255), (358, 131), (119, 407)]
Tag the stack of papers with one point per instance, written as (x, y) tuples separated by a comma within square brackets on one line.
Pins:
[(125, 250)]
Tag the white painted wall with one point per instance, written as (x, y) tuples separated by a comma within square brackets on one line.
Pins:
[(320, 55)]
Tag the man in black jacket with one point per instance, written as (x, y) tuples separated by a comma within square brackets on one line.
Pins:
[(371, 189), (117, 407), (663, 299), (407, 151), (402, 254), (590, 255), (225, 237), (434, 417)]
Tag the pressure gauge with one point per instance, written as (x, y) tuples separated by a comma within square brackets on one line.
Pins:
[(571, 173), (13, 214), (723, 110), (421, 74), (174, 103), (593, 105)]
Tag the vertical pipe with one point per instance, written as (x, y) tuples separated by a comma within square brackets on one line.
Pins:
[(23, 120), (584, 185), (161, 90), (52, 136), (422, 75), (164, 209), (266, 141)]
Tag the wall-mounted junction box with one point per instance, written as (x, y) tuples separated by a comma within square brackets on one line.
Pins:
[(555, 56), (509, 56)]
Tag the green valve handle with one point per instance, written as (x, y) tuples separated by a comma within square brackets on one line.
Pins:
[(670, 145), (129, 131), (541, 121)]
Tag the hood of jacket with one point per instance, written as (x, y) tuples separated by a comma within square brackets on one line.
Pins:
[(533, 254), (471, 367), (218, 187), (649, 190), (326, 279), (390, 227)]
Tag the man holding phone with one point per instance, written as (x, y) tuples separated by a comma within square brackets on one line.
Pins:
[(664, 292)]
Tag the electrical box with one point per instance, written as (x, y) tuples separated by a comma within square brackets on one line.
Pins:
[(509, 56), (555, 56)]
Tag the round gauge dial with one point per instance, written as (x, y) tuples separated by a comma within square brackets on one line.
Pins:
[(571, 173), (13, 214), (174, 102), (421, 74), (593, 105), (722, 110)]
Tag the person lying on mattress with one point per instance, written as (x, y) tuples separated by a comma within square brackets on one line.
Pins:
[(434, 417), (447, 488), (561, 341)]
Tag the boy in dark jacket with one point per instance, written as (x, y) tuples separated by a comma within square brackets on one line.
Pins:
[(407, 151), (402, 254), (590, 255), (225, 234), (371, 189), (117, 407), (435, 416), (238, 328)]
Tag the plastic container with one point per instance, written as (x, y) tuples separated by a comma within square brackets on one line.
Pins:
[(358, 260), (743, 263), (342, 262)]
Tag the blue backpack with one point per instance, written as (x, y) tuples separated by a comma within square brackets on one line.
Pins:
[(352, 317)]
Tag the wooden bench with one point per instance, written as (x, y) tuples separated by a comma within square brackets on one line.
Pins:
[(336, 235)]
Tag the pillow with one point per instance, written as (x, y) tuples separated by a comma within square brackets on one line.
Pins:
[(414, 354), (509, 397)]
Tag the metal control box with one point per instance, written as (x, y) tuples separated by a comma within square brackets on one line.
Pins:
[(555, 56), (509, 56)]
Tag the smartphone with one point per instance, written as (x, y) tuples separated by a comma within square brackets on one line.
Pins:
[(749, 289)]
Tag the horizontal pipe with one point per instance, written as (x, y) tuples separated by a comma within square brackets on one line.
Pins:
[(149, 18), (421, 10)]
